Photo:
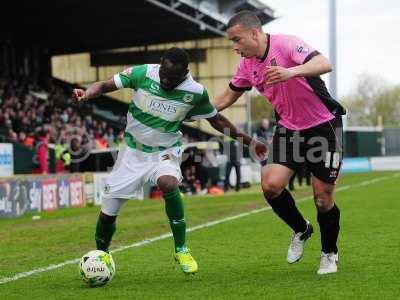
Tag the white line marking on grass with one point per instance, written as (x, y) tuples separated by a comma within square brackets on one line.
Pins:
[(168, 235), (38, 270), (343, 188), (367, 182)]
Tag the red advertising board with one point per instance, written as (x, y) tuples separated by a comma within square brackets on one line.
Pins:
[(77, 198), (50, 198)]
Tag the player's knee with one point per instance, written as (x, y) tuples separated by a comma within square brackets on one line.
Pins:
[(323, 201), (167, 183), (272, 189), (319, 202)]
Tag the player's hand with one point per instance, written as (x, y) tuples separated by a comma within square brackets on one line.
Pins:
[(276, 74), (79, 95), (261, 150)]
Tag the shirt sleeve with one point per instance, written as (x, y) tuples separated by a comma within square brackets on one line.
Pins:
[(203, 109), (130, 77), (240, 81), (298, 51)]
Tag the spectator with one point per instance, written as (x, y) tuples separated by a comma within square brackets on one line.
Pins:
[(76, 154), (29, 140), (190, 183), (12, 135), (63, 157), (110, 137), (264, 131), (234, 152), (65, 116), (119, 140), (42, 153), (302, 172), (101, 141), (22, 137)]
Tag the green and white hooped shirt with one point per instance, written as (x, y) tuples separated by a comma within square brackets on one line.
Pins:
[(155, 115)]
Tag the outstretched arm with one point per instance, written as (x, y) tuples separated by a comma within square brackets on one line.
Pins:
[(226, 99), (316, 66), (223, 125), (95, 90)]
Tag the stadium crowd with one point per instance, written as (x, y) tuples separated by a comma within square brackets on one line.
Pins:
[(28, 109), (36, 115)]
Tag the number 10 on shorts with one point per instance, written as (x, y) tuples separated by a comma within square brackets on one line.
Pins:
[(332, 160)]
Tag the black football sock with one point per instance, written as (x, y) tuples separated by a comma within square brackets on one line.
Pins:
[(285, 207), (329, 227), (105, 229)]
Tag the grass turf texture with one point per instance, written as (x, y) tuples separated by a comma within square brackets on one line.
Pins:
[(242, 258)]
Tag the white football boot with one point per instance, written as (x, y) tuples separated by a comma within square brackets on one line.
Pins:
[(328, 264), (296, 247)]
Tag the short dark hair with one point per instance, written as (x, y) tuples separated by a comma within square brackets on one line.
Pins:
[(177, 56), (246, 18), (41, 132)]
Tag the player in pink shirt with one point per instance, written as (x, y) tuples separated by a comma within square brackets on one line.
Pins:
[(286, 71)]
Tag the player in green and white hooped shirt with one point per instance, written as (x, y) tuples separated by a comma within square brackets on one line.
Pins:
[(165, 95)]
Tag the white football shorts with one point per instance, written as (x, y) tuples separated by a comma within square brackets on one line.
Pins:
[(133, 169)]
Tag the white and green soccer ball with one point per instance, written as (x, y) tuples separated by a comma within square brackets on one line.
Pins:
[(97, 268)]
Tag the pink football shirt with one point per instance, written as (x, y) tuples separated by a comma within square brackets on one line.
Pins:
[(300, 102)]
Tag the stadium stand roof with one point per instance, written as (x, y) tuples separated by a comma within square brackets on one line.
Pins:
[(70, 26)]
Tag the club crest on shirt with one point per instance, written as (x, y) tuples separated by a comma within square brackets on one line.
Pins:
[(107, 188), (273, 62), (188, 98), (302, 49)]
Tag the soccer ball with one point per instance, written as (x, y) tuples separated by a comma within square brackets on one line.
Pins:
[(97, 268)]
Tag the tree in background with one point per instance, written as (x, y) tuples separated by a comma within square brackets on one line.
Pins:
[(373, 99)]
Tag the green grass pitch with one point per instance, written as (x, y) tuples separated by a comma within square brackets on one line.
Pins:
[(244, 258)]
